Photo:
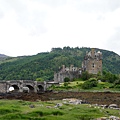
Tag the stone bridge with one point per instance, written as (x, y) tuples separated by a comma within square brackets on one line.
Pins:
[(34, 86)]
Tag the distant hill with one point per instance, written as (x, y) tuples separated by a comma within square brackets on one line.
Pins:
[(2, 57), (43, 65)]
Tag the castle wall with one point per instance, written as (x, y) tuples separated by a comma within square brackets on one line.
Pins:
[(92, 63), (71, 73)]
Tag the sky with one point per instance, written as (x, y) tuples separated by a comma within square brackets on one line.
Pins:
[(28, 27)]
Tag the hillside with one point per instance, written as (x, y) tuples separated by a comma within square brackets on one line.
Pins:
[(44, 64), (3, 57)]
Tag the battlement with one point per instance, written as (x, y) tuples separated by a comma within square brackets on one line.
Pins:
[(93, 55), (69, 69)]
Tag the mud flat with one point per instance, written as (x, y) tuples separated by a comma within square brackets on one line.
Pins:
[(88, 97)]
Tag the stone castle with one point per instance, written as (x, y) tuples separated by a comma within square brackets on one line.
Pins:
[(70, 72), (92, 63)]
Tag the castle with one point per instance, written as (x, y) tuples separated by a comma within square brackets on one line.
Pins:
[(92, 63), (70, 72)]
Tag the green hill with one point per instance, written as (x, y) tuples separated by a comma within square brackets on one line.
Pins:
[(43, 65)]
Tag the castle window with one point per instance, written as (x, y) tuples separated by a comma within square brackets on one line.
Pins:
[(93, 65)]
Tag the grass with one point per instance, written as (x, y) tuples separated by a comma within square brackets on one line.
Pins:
[(76, 86), (21, 110)]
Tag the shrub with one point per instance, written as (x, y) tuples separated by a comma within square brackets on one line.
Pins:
[(40, 79), (66, 84), (92, 82), (117, 86), (86, 76), (66, 79), (86, 85), (117, 83)]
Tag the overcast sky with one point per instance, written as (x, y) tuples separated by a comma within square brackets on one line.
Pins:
[(28, 27)]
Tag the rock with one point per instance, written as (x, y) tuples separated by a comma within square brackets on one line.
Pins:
[(48, 107), (102, 118), (113, 106), (114, 118), (59, 105), (109, 118), (103, 106), (32, 106), (72, 101), (75, 101)]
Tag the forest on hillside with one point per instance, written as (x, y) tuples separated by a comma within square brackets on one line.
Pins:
[(43, 65)]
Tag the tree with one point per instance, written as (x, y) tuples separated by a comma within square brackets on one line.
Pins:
[(117, 83), (109, 77), (66, 79), (85, 75)]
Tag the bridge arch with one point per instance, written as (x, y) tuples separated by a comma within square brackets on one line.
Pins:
[(34, 86), (41, 88), (31, 88), (16, 88)]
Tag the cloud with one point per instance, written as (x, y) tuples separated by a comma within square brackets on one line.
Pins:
[(1, 14), (53, 3), (114, 42), (72, 27), (31, 26), (97, 6)]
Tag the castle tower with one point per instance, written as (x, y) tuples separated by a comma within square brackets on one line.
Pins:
[(92, 62)]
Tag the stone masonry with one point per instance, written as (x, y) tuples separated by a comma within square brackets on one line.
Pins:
[(18, 85), (92, 63), (70, 72)]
